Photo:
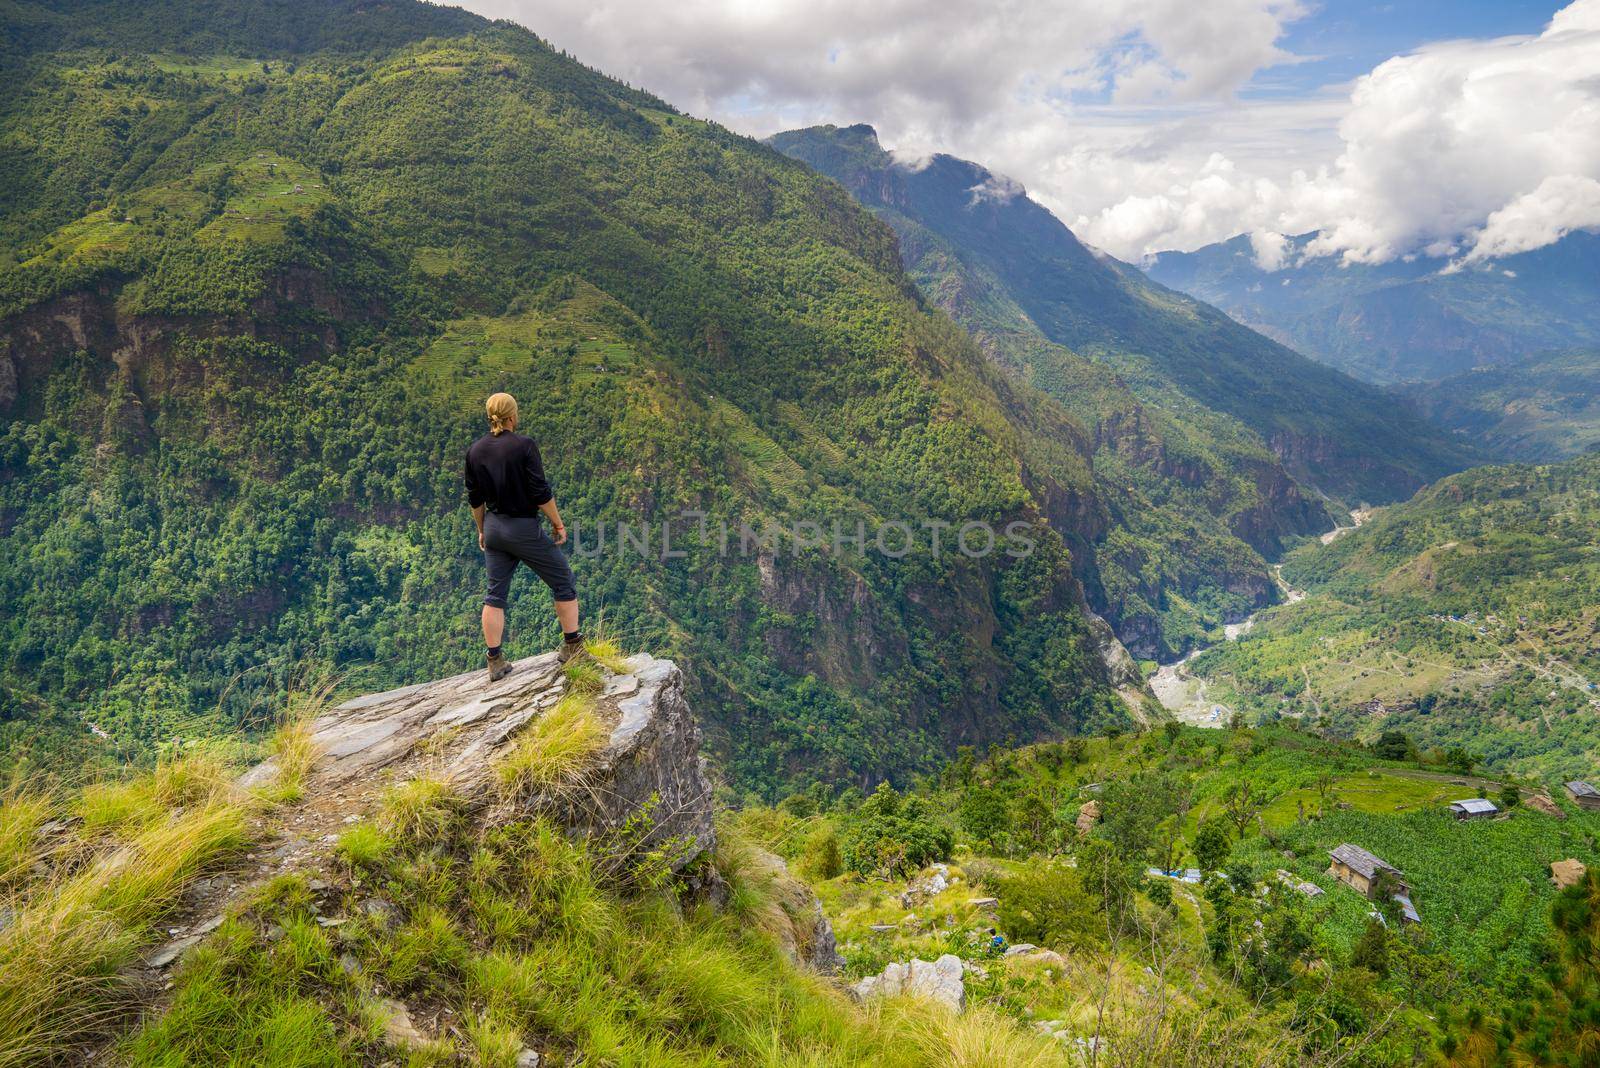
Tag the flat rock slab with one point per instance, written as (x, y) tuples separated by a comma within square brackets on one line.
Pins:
[(459, 726)]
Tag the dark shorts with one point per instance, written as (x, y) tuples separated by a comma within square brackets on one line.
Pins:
[(509, 541)]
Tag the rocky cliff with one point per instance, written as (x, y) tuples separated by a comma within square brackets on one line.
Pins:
[(457, 728)]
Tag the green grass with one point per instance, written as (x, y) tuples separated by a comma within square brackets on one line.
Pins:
[(555, 750), (511, 929), (421, 809)]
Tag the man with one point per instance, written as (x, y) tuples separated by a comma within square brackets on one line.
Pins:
[(507, 490)]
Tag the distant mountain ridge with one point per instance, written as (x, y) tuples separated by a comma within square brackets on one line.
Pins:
[(1329, 431), (1542, 408), (1407, 320)]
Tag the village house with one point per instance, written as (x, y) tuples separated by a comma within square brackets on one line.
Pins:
[(1358, 869), (1473, 808), (1586, 796)]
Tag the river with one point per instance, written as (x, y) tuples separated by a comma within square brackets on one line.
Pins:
[(1185, 695)]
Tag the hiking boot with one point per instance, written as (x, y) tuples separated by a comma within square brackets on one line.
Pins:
[(499, 667), (566, 651)]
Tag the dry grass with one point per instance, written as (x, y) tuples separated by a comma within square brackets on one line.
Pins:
[(22, 847), (62, 956), (292, 746), (553, 754)]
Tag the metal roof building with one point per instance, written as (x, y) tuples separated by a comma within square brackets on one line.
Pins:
[(1585, 795), (1473, 808)]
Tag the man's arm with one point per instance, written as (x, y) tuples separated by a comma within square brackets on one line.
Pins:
[(475, 498), (558, 529), (539, 486)]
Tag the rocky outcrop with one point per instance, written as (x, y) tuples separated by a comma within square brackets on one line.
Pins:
[(1121, 668), (939, 981), (457, 727), (806, 936)]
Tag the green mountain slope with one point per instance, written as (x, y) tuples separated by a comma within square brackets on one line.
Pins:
[(262, 263), (1538, 410), (1468, 616), (1330, 432), (1406, 320)]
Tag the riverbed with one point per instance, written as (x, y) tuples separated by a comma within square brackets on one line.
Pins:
[(1184, 694)]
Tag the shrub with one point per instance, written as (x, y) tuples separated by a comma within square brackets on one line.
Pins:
[(894, 836), (1048, 906)]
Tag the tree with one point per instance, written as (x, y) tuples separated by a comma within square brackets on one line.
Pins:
[(1371, 950), (1240, 804), (1132, 808), (1459, 760), (1393, 745), (1212, 844), (1510, 796), (1172, 729)]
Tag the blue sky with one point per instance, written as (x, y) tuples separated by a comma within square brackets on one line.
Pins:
[(1349, 39)]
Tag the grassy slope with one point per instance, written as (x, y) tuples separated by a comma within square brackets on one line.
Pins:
[(695, 322), (1482, 888), (1509, 552)]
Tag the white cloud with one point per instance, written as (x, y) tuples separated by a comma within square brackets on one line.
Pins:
[(1270, 249), (997, 187), (1439, 141), (1560, 205), (1123, 117)]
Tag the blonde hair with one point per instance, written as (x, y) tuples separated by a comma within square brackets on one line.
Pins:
[(502, 408)]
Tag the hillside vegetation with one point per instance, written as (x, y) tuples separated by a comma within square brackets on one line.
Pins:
[(1493, 974), (259, 265), (1538, 410), (1467, 617)]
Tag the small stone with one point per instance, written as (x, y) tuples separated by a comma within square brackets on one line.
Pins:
[(172, 951), (398, 1030), (528, 1058), (348, 964), (210, 925), (325, 921)]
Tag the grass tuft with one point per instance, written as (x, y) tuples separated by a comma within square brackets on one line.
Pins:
[(419, 810), (553, 753), (364, 846), (584, 677), (608, 654)]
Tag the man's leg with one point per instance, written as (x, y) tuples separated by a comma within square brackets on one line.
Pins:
[(551, 565), (494, 625), (566, 615)]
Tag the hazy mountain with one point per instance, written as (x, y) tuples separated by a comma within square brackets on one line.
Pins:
[(1406, 320), (1002, 263), (1545, 407)]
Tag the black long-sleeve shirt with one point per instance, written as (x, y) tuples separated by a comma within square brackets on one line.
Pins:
[(505, 473)]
